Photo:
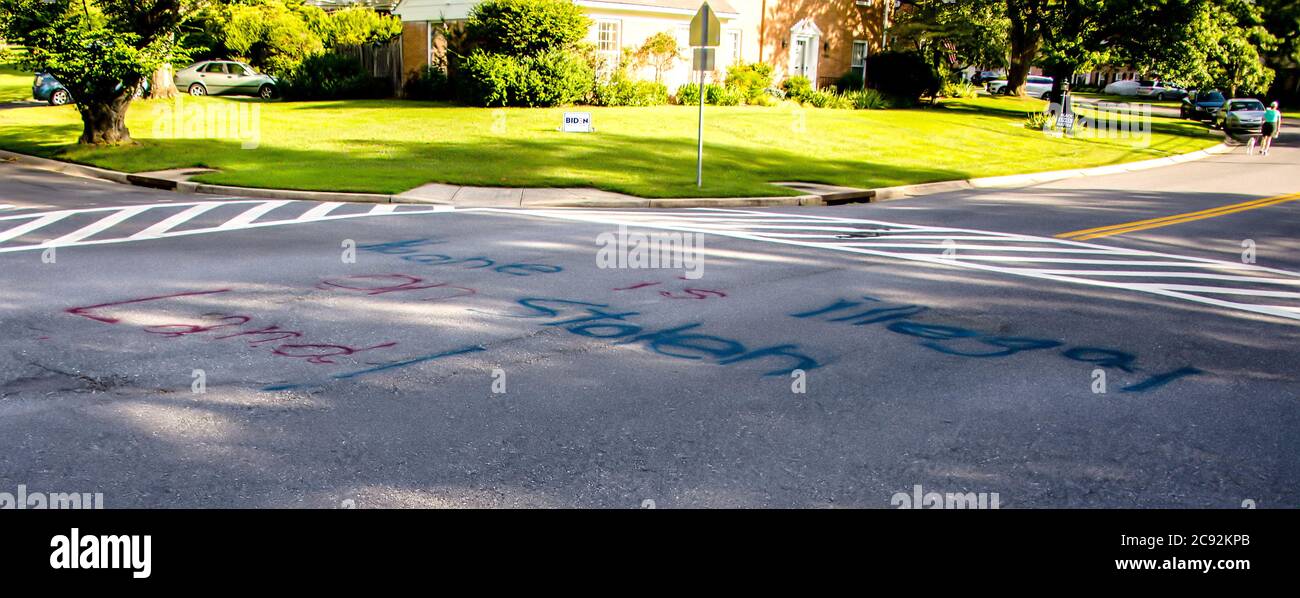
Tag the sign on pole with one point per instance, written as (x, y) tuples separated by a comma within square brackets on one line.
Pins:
[(706, 34), (706, 29)]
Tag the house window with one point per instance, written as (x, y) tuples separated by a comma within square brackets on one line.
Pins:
[(607, 33), (731, 42), (859, 64), (610, 46)]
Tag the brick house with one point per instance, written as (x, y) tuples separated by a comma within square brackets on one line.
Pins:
[(820, 39)]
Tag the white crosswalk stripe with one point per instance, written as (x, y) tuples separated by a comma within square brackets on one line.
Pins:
[(256, 214), (1222, 284)]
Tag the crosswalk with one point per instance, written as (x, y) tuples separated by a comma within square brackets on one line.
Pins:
[(121, 224), (1224, 284)]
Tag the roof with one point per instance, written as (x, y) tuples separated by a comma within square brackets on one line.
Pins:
[(456, 10), (691, 6)]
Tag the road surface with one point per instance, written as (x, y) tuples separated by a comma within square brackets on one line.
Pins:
[(1117, 341)]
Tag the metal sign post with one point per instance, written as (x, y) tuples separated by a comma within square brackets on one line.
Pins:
[(706, 34)]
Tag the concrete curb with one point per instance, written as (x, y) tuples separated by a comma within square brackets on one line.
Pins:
[(1036, 178), (836, 198)]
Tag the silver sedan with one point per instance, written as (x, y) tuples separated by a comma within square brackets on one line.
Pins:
[(219, 77)]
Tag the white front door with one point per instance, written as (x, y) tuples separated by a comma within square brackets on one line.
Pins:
[(803, 57)]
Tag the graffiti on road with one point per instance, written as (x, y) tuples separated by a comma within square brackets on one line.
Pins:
[(408, 251), (601, 322), (964, 342)]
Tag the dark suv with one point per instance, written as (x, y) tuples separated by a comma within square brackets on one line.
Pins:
[(1202, 105)]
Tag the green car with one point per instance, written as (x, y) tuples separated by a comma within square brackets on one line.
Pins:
[(222, 77)]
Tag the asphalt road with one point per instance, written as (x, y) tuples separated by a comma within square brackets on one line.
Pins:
[(953, 342)]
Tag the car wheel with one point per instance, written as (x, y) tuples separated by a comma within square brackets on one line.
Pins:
[(1047, 96), (266, 92), (1160, 97), (197, 89), (60, 97)]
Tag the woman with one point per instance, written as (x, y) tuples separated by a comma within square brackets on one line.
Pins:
[(1271, 129)]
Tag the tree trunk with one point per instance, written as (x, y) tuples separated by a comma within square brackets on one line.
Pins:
[(163, 84), (1025, 42), (105, 123), (1061, 74)]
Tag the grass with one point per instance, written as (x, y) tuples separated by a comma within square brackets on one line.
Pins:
[(389, 146), (15, 84)]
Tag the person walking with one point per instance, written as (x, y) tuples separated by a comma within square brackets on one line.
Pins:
[(1271, 129)]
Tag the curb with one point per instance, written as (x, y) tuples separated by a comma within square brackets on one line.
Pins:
[(829, 199), (1027, 180)]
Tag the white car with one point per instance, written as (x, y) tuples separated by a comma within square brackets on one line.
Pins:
[(1123, 88), (1035, 87)]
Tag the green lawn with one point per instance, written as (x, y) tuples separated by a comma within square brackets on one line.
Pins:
[(15, 84), (389, 146)]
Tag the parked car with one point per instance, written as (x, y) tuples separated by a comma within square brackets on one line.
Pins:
[(1202, 104), (1240, 115), (47, 88), (985, 76), (1035, 87), (217, 77), (1127, 87), (1160, 90)]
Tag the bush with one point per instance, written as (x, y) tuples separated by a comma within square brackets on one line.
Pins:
[(526, 27), (553, 78), (431, 83), (798, 88), (905, 76), (714, 94), (829, 98), (961, 90), (750, 81), (867, 99), (849, 82), (622, 92), (332, 77), (1039, 121)]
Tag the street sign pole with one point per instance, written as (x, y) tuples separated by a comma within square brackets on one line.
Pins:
[(699, 155), (706, 34)]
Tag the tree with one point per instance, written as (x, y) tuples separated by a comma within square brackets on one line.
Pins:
[(659, 51), (955, 35), (100, 50), (526, 27), (357, 25)]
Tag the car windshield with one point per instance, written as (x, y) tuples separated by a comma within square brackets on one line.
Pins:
[(1251, 105), (1147, 83), (1210, 96)]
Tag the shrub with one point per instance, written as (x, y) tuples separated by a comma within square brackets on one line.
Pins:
[(902, 75), (961, 89), (526, 27), (719, 95), (867, 99), (1039, 121), (622, 92), (332, 77), (714, 94), (829, 98), (431, 83), (552, 78), (798, 88), (849, 82), (750, 80)]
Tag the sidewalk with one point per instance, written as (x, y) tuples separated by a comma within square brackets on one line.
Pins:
[(811, 194)]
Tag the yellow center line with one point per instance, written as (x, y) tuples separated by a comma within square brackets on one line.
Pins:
[(1128, 227)]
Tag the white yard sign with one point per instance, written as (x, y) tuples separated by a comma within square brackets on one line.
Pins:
[(577, 122)]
